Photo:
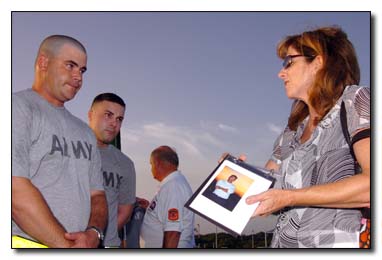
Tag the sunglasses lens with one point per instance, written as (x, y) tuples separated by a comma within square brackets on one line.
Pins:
[(287, 61)]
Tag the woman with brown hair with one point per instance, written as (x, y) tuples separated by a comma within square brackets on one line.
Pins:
[(318, 193)]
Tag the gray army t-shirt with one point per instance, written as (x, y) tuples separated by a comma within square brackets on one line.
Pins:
[(58, 153), (119, 182)]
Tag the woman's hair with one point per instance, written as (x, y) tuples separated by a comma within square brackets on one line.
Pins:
[(340, 69)]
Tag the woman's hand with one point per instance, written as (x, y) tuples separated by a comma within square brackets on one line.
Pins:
[(270, 201)]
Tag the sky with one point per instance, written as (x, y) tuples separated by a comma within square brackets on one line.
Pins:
[(202, 82)]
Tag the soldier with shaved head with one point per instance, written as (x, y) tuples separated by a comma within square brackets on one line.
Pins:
[(58, 199)]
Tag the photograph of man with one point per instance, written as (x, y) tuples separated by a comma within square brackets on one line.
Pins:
[(224, 188), (222, 191), (227, 188)]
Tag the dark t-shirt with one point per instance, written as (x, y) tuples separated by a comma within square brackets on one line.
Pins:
[(133, 227)]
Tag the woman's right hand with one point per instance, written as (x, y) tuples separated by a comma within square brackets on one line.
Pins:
[(270, 201)]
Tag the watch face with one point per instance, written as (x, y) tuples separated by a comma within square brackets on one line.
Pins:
[(101, 236)]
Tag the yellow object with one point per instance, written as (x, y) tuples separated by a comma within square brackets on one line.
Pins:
[(20, 242)]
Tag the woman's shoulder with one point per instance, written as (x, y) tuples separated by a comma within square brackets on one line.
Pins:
[(354, 92)]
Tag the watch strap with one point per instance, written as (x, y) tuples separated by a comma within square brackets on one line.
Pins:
[(99, 232)]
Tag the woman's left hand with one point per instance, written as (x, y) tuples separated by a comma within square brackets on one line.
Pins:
[(270, 201)]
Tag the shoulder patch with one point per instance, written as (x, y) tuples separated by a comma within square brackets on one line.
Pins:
[(173, 214)]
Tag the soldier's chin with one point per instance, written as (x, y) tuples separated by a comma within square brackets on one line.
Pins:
[(109, 141)]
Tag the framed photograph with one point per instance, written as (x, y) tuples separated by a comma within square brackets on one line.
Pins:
[(221, 197)]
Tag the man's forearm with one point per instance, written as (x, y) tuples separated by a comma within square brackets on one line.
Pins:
[(221, 188), (33, 215), (124, 214), (99, 211), (171, 239)]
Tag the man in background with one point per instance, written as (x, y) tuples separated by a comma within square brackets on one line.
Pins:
[(105, 119), (167, 223)]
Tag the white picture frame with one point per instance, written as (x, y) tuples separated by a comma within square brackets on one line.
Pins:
[(231, 212)]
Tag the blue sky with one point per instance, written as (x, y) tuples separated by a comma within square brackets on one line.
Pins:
[(202, 82)]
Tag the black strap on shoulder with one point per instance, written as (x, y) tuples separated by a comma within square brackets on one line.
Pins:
[(358, 136), (344, 126)]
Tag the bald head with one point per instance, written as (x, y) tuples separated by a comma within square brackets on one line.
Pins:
[(166, 154), (164, 161), (59, 68), (52, 44)]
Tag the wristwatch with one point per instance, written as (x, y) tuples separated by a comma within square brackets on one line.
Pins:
[(99, 232)]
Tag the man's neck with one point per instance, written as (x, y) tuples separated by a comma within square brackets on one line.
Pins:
[(101, 144), (40, 90), (167, 173)]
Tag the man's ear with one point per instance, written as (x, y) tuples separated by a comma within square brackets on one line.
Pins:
[(159, 164), (90, 114), (42, 62)]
